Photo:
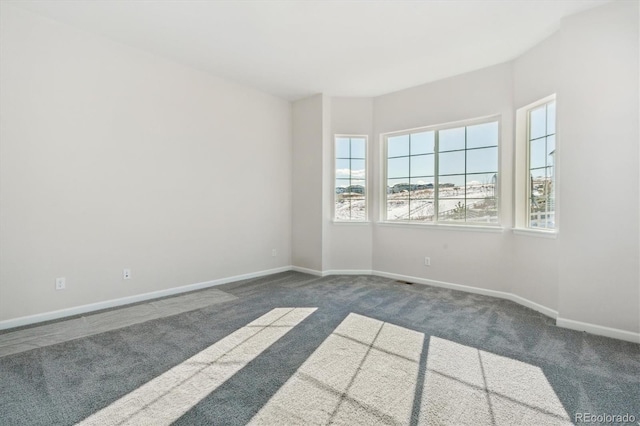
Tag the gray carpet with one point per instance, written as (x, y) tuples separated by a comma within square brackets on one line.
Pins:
[(296, 349), (23, 339)]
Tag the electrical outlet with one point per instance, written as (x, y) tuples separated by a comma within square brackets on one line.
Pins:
[(274, 252), (427, 261), (61, 283), (126, 274)]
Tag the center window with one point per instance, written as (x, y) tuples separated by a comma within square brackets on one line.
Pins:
[(443, 174)]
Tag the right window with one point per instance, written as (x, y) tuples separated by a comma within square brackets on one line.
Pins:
[(541, 162)]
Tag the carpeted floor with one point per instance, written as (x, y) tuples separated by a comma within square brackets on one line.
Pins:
[(296, 349)]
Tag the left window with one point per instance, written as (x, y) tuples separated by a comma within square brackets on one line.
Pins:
[(350, 178)]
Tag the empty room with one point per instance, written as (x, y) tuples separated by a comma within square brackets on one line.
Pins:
[(319, 212)]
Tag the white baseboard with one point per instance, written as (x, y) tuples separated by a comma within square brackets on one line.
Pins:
[(77, 310), (307, 271), (599, 330), (426, 281), (348, 272), (533, 305), (476, 290)]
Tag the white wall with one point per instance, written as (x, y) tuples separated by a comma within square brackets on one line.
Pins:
[(111, 157), (598, 139), (307, 182)]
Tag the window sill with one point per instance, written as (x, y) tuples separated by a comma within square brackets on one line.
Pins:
[(539, 233), (354, 222), (445, 227)]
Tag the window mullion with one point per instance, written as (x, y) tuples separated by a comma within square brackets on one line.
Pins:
[(436, 177), (409, 218), (529, 192), (350, 183), (465, 174)]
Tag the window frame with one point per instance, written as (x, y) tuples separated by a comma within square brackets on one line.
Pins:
[(367, 190), (522, 205), (384, 138)]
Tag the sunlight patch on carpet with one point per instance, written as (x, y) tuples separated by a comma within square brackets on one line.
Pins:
[(372, 372), (365, 372), (464, 385), (167, 397)]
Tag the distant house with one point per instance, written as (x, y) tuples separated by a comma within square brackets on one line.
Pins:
[(357, 189)]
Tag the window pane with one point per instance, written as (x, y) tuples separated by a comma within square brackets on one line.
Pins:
[(398, 209), (537, 174), (451, 139), (413, 189), (397, 186), (357, 188), (482, 160), (552, 177), (398, 146), (482, 185), (542, 214), (358, 148), (358, 210), (421, 210), (482, 211), (422, 165), (422, 187), (551, 159), (343, 208), (343, 169), (538, 122), (342, 147), (482, 135), (551, 118), (540, 189), (422, 143), (452, 210), (551, 145), (398, 167), (537, 153), (451, 186), (357, 169), (341, 185), (451, 163)]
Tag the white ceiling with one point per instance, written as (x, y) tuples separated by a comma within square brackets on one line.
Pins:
[(296, 48)]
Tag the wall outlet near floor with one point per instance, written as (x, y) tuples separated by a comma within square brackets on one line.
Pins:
[(274, 252), (126, 274), (427, 261), (61, 283)]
